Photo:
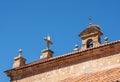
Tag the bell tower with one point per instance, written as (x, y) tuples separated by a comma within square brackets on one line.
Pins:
[(91, 36)]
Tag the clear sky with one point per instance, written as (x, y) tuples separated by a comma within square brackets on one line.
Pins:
[(24, 24)]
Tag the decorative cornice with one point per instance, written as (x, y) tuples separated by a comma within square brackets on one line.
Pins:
[(44, 64)]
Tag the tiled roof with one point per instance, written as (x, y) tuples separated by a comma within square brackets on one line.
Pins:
[(112, 75)]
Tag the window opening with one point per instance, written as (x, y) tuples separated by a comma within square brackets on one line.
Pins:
[(89, 44)]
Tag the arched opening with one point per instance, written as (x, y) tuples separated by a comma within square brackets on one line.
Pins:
[(89, 43)]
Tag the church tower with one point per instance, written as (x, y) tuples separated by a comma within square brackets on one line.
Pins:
[(91, 36)]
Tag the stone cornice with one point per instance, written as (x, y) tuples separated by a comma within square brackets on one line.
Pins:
[(42, 65)]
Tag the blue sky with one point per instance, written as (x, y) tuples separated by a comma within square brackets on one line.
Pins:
[(24, 24)]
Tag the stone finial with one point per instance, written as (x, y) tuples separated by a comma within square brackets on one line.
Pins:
[(76, 48), (20, 52), (106, 40), (19, 60)]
